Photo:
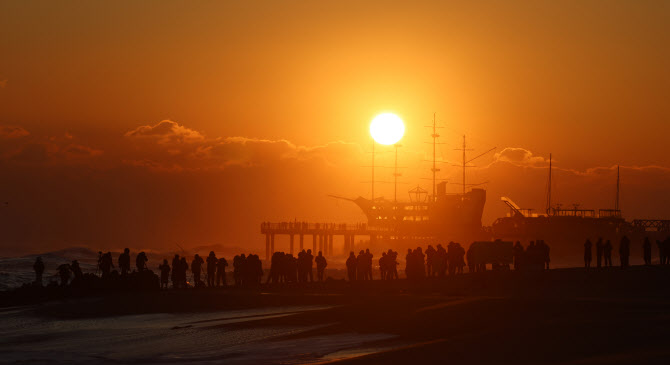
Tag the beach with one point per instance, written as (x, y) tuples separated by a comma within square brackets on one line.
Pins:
[(564, 316)]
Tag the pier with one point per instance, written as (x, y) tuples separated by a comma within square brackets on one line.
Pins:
[(321, 234)]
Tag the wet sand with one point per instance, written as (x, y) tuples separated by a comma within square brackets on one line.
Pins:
[(565, 316)]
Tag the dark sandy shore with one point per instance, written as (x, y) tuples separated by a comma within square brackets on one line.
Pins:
[(567, 316)]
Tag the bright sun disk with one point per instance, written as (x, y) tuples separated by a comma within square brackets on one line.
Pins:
[(387, 128)]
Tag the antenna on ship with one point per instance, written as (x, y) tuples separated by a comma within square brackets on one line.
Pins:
[(549, 189), (434, 169), (466, 162)]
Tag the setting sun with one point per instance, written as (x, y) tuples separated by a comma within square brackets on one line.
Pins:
[(387, 128)]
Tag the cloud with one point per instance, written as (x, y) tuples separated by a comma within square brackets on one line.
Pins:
[(520, 157), (8, 131), (78, 151), (3, 83), (166, 132), (169, 146)]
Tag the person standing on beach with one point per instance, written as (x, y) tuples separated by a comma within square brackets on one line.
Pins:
[(221, 272), (64, 273), (661, 251), (430, 260), (624, 252), (175, 271), (309, 263), (368, 264), (165, 273), (76, 270), (599, 252), (646, 251), (587, 254), (321, 264), (39, 270), (211, 269), (351, 266), (124, 261), (106, 264), (607, 253), (196, 269), (183, 267), (360, 265), (141, 261)]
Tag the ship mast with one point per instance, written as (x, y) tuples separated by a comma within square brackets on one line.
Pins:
[(466, 162), (434, 169), (549, 189)]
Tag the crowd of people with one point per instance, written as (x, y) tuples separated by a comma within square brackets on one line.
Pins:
[(359, 267), (534, 257), (604, 252), (286, 268)]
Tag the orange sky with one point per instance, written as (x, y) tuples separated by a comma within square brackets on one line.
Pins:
[(586, 80)]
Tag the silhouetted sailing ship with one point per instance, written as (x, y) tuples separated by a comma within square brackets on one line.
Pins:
[(443, 216)]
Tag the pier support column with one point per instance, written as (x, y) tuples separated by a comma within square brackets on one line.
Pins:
[(267, 247), (321, 243), (314, 244), (272, 243), (330, 244), (352, 240), (291, 246), (302, 237)]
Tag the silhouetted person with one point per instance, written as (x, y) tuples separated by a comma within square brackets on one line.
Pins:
[(430, 260), (646, 251), (600, 247), (321, 264), (183, 267), (440, 261), (141, 261), (106, 264), (368, 264), (409, 264), (351, 266), (452, 258), (176, 262), (361, 266), (460, 259), (221, 272), (309, 258), (238, 260), (39, 270), (607, 253), (661, 252), (587, 254), (211, 269), (624, 251), (196, 269), (383, 266), (165, 273), (517, 253), (64, 274), (76, 270), (545, 251), (124, 261)]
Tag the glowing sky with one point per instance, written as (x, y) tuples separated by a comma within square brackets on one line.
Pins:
[(245, 81)]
